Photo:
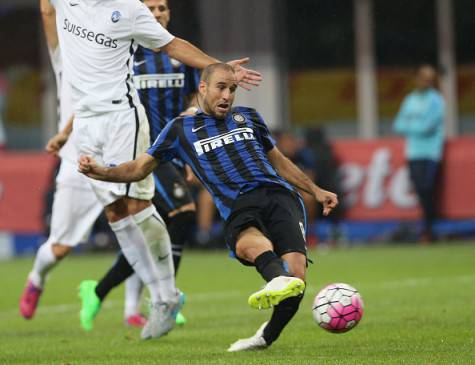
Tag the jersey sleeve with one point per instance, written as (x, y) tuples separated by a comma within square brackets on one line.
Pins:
[(262, 132), (147, 31), (165, 147)]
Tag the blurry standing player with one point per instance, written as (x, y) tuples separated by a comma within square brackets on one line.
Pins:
[(97, 40), (235, 158), (165, 88), (421, 121), (75, 206)]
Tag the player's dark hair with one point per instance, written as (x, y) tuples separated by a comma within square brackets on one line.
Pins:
[(211, 69)]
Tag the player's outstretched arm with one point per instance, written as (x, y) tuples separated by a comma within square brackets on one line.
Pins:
[(289, 171), (131, 171), (187, 53), (192, 56)]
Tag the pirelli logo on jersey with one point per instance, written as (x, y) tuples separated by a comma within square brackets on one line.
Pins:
[(159, 81), (89, 35), (209, 144)]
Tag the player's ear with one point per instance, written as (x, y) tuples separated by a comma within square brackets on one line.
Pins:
[(202, 87)]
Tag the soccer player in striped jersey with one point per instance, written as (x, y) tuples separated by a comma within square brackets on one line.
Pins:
[(233, 154), (166, 88)]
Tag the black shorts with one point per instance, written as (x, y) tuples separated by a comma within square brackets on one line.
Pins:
[(275, 211), (171, 190)]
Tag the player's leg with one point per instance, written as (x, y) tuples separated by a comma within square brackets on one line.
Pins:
[(422, 177), (133, 243), (286, 224), (133, 292), (282, 264), (286, 309), (92, 293), (162, 311), (75, 208), (162, 314), (175, 203), (113, 138)]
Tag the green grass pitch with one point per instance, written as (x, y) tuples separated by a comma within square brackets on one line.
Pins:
[(419, 309)]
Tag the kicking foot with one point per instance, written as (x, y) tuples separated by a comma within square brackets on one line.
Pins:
[(90, 304), (161, 318), (29, 300), (255, 342), (275, 291), (136, 320)]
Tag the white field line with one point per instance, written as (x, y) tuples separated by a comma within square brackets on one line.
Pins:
[(224, 295), (411, 282), (75, 307)]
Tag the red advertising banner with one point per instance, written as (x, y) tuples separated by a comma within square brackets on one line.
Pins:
[(374, 178), (376, 181), (24, 178)]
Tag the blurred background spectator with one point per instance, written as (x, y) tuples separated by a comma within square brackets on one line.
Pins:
[(421, 121)]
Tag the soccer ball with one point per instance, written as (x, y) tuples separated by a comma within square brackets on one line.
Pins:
[(338, 308)]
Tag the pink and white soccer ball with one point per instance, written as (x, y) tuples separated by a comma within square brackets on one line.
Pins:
[(338, 308)]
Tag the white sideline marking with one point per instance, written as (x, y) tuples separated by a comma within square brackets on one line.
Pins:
[(411, 282)]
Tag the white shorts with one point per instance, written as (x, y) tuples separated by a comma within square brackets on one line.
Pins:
[(111, 139), (75, 207)]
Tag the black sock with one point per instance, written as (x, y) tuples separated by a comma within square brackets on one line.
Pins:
[(180, 227), (270, 266), (281, 315), (117, 274)]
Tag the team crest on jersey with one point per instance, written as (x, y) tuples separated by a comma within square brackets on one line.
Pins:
[(239, 118), (175, 63), (115, 17)]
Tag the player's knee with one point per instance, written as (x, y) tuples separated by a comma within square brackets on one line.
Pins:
[(299, 272), (60, 251), (116, 210), (245, 252), (250, 252)]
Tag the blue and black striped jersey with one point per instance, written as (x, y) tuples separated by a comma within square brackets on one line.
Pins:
[(229, 156), (162, 84)]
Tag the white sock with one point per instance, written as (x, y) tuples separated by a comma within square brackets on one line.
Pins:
[(157, 237), (135, 249), (133, 291), (44, 262)]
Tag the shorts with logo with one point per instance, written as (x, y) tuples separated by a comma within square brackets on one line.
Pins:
[(75, 207), (275, 211), (111, 139), (171, 190)]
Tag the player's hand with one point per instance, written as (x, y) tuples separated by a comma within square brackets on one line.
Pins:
[(328, 199), (89, 167), (246, 78), (55, 143)]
